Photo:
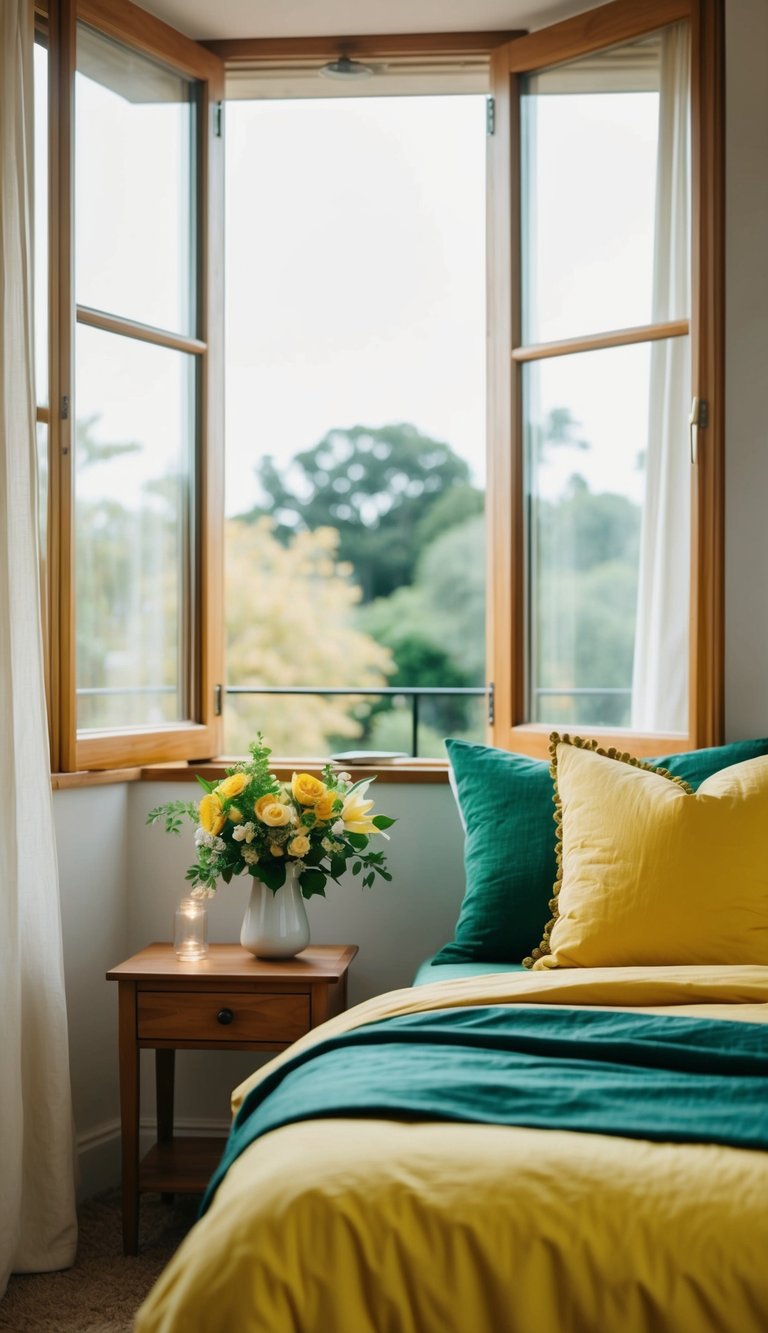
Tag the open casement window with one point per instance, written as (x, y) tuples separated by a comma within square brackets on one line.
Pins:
[(605, 380), (135, 493)]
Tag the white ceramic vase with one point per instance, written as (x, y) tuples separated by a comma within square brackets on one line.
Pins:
[(275, 924)]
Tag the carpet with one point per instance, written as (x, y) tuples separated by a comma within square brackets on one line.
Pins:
[(103, 1290)]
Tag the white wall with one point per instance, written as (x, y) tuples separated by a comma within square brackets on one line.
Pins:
[(91, 829), (120, 880)]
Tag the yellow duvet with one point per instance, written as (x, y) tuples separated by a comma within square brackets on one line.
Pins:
[(372, 1226)]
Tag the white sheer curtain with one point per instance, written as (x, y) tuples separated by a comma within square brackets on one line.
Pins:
[(660, 675), (37, 1218)]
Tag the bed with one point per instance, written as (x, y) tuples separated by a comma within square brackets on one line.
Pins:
[(567, 1147)]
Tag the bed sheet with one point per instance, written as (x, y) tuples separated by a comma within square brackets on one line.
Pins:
[(373, 1226)]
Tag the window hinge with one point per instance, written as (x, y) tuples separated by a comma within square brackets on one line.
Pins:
[(218, 700), (218, 119), (490, 115), (65, 408), (491, 704)]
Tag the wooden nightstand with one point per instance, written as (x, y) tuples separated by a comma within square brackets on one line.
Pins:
[(228, 1001)]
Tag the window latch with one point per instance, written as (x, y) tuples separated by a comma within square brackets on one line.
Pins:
[(491, 704), (218, 700)]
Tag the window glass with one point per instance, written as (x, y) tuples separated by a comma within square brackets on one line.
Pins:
[(134, 453), (590, 159), (136, 215), (588, 466), (355, 548)]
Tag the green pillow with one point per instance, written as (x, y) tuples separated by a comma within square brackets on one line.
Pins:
[(506, 806)]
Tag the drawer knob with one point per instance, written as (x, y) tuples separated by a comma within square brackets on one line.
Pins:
[(224, 1016)]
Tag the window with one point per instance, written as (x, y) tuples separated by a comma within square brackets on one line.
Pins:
[(136, 430), (605, 368), (603, 178)]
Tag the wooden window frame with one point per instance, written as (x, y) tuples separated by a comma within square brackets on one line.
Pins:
[(134, 28), (620, 21)]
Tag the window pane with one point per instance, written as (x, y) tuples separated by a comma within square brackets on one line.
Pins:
[(602, 139), (135, 143), (41, 224), (134, 456), (602, 432), (355, 418)]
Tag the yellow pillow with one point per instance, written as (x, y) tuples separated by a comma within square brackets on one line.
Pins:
[(651, 872)]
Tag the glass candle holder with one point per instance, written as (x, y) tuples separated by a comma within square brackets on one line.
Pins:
[(190, 930)]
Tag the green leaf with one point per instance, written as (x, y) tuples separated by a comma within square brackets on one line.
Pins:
[(312, 882), (383, 821), (206, 786), (338, 866), (368, 880), (357, 867), (271, 875), (357, 840)]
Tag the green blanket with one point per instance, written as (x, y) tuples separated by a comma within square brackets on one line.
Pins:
[(599, 1071)]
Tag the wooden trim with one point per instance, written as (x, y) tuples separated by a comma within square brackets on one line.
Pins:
[(609, 25), (43, 416), (707, 620), (131, 328), (94, 778), (134, 27), (533, 739), (61, 76), (595, 342), (504, 505), (250, 50), (210, 572), (117, 749), (405, 770)]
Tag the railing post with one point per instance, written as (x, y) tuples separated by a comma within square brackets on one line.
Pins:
[(415, 725)]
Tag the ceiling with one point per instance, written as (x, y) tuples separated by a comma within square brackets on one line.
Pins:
[(346, 18)]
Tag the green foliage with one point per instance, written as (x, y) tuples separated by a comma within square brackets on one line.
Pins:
[(375, 487), (249, 823), (173, 815)]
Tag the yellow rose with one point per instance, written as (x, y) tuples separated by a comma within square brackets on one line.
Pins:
[(263, 802), (324, 807), (306, 789), (276, 849), (234, 815), (272, 813), (211, 814), (232, 786), (298, 846), (354, 812)]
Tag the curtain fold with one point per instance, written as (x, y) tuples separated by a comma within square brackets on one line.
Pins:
[(660, 673), (37, 1220)]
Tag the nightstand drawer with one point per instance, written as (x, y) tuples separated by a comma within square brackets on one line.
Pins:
[(221, 1016)]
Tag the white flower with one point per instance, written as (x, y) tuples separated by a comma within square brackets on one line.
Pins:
[(244, 832), (327, 845), (250, 856), (338, 828), (218, 845), (202, 891), (344, 777), (201, 837)]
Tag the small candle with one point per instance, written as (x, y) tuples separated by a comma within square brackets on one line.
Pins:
[(190, 930)]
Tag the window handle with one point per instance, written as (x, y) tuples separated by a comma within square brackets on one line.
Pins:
[(699, 418)]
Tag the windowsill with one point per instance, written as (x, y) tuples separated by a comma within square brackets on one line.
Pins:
[(424, 771)]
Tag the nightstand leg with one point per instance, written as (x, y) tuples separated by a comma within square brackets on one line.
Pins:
[(129, 1115), (165, 1063)]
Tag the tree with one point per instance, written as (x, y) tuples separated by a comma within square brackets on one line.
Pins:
[(289, 616), (375, 486)]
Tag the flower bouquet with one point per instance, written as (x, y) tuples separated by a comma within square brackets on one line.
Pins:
[(250, 823)]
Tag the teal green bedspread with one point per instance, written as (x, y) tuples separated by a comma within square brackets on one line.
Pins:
[(598, 1071)]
